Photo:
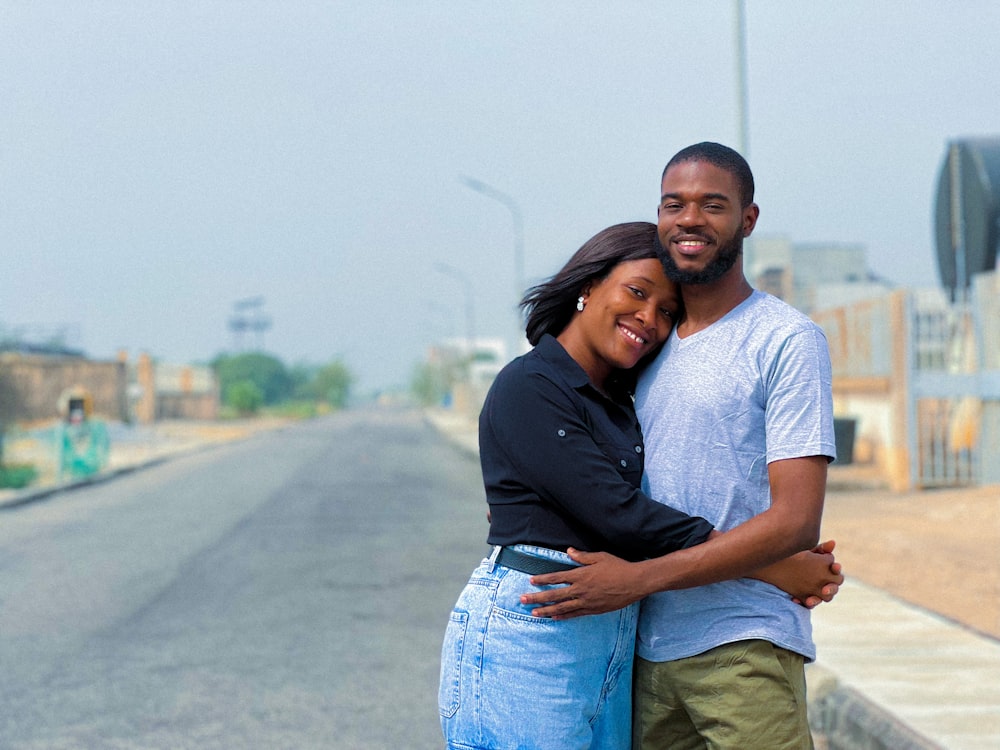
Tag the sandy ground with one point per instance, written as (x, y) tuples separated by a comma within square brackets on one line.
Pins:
[(939, 549)]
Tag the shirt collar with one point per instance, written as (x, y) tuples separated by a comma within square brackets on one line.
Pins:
[(558, 358), (553, 352)]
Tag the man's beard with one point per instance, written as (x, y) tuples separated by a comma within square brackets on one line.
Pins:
[(715, 270)]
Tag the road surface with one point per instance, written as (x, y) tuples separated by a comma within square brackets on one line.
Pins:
[(287, 591)]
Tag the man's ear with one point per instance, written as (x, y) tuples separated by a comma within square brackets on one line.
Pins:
[(750, 215)]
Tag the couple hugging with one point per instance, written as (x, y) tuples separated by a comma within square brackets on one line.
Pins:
[(655, 469)]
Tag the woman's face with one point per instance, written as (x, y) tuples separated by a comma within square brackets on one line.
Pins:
[(626, 315)]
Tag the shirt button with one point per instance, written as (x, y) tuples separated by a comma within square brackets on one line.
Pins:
[(638, 449), (624, 463), (561, 433)]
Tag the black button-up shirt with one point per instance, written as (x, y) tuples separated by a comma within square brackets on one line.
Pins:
[(562, 464)]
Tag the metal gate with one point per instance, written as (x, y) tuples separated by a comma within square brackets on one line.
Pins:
[(953, 360), (921, 376)]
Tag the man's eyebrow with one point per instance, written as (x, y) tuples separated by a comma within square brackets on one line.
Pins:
[(705, 197)]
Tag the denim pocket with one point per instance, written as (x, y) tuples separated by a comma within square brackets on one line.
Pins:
[(450, 687)]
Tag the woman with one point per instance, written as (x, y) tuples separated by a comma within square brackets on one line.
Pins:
[(562, 459)]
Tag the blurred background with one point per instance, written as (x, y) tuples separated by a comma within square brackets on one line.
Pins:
[(367, 190), (359, 170), (212, 211)]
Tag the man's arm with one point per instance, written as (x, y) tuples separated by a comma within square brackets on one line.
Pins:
[(809, 578), (790, 525)]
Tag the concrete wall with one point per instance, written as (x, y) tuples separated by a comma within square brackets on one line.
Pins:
[(32, 385), (185, 391), (869, 380), (200, 406)]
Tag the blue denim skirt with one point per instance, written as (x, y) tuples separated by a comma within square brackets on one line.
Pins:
[(512, 680)]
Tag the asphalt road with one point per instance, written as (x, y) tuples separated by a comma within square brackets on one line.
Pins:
[(288, 591)]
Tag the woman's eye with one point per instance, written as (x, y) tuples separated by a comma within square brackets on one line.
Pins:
[(637, 292), (668, 315)]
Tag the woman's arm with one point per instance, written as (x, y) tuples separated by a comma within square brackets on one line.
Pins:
[(786, 528)]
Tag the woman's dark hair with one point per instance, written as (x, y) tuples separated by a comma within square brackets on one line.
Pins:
[(549, 306)]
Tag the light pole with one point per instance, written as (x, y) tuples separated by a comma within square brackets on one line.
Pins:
[(743, 118), (742, 105), (518, 227)]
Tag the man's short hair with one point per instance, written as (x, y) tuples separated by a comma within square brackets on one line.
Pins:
[(722, 157)]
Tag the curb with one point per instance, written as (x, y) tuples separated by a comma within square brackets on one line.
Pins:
[(26, 497), (844, 719), (20, 498)]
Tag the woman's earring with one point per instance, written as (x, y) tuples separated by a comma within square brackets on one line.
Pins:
[(580, 304)]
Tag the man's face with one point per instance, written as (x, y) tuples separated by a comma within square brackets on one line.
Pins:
[(700, 222)]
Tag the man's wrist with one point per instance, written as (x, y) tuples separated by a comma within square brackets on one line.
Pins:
[(649, 577)]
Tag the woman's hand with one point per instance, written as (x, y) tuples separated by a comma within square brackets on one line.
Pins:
[(810, 577)]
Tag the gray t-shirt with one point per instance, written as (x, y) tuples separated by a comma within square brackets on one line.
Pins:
[(716, 407)]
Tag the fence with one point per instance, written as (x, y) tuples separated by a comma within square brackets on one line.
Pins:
[(921, 375)]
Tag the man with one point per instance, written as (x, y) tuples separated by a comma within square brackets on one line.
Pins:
[(737, 416)]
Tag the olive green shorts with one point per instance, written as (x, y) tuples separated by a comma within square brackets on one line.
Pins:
[(749, 695)]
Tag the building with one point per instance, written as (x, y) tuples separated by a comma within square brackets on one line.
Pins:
[(812, 276)]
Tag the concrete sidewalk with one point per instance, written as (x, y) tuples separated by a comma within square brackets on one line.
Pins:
[(134, 447), (893, 675)]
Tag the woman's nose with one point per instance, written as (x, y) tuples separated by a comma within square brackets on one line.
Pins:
[(645, 315)]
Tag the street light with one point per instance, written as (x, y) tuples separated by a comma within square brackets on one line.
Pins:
[(743, 116), (518, 226), (742, 106), (463, 279)]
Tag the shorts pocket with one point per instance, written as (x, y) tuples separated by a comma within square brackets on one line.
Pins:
[(450, 687)]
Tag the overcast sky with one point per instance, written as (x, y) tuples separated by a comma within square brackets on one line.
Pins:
[(160, 161)]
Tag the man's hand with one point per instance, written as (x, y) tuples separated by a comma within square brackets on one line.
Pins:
[(811, 577), (604, 583), (831, 589)]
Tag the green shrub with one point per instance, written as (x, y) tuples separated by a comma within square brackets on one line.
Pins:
[(245, 397), (16, 476)]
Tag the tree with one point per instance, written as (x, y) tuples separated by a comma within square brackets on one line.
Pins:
[(430, 384), (267, 373), (333, 384), (303, 375)]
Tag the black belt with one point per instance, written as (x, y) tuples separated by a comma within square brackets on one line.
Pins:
[(534, 566)]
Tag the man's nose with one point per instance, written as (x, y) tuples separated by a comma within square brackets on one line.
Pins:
[(690, 216)]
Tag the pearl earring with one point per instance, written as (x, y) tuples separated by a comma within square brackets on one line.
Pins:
[(580, 304)]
